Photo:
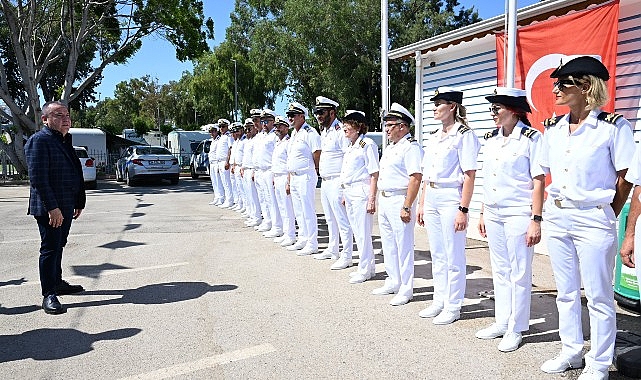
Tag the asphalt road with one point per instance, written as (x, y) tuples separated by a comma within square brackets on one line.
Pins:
[(178, 289)]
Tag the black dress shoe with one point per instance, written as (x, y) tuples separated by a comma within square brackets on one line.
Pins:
[(51, 305), (65, 288)]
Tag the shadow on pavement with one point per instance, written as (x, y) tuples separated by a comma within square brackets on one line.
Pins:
[(153, 294), (52, 344)]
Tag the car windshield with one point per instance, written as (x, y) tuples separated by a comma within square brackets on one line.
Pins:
[(152, 150), (81, 153)]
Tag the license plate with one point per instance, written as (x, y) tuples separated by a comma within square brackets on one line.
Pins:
[(156, 162)]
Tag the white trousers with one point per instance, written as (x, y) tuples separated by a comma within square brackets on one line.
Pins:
[(336, 217), (225, 179), (216, 182), (238, 187), (511, 260), (447, 247), (361, 222), (284, 204), (397, 240), (253, 208), (269, 197), (582, 245), (260, 190), (302, 188), (212, 177)]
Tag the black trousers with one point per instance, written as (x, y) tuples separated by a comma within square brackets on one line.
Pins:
[(52, 241)]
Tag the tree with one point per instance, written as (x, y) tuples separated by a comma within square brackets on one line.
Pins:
[(49, 45)]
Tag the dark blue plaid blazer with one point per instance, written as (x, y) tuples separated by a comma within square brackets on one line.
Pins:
[(55, 173)]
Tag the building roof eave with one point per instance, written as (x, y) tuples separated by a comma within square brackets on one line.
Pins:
[(525, 16)]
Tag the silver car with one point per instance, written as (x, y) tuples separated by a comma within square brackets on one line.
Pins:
[(144, 162)]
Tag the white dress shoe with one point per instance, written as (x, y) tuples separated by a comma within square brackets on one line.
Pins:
[(307, 251), (591, 373), (399, 300), (510, 342), (287, 242), (300, 244), (273, 233), (431, 311), (342, 263), (254, 223), (212, 203), (325, 255), (226, 205), (446, 317), (384, 290), (358, 278), (494, 331), (279, 239), (561, 364)]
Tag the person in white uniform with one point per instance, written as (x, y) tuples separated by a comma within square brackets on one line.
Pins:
[(213, 165), (399, 180), (283, 199), (303, 153), (588, 153), (235, 158), (359, 175), (449, 170), (259, 163), (274, 226), (333, 147), (511, 216), (254, 217), (223, 151), (632, 240)]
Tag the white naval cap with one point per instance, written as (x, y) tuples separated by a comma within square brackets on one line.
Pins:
[(511, 97), (449, 94), (397, 111), (223, 122), (323, 102), (355, 115), (213, 127), (295, 108), (267, 113), (281, 120), (249, 121), (255, 112)]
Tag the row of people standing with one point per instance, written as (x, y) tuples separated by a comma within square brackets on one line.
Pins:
[(586, 194)]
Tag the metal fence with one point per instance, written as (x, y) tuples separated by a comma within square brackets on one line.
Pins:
[(8, 171)]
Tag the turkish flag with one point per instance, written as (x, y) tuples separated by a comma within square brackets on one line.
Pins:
[(540, 47)]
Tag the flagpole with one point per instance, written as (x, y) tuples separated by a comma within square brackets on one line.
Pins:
[(384, 72), (511, 43)]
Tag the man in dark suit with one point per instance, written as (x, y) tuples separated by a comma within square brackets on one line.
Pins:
[(57, 195)]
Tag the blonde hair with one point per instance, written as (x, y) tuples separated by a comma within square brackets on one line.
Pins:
[(460, 114), (597, 95)]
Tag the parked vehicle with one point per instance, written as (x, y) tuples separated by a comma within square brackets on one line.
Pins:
[(94, 141), (179, 143), (199, 163), (88, 167), (144, 162)]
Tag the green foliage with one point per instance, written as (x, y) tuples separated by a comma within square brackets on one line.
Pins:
[(142, 125)]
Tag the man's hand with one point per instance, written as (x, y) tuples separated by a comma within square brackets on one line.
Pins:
[(627, 251), (55, 218)]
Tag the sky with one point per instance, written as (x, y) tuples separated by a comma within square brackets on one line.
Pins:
[(157, 58)]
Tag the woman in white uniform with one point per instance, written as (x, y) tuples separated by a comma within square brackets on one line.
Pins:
[(449, 168), (359, 174), (588, 153), (513, 183)]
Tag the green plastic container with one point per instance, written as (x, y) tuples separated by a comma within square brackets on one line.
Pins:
[(626, 285)]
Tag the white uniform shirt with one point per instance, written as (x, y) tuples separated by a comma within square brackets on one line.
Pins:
[(584, 164), (265, 149), (399, 161), (237, 149), (509, 165), (360, 161), (279, 156), (257, 146), (634, 172), (212, 149), (222, 147), (448, 157), (333, 147), (302, 145), (248, 159)]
